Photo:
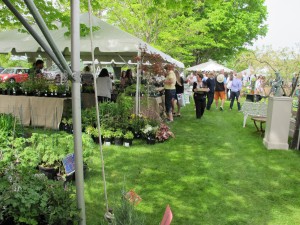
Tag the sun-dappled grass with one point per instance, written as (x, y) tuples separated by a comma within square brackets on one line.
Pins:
[(213, 172)]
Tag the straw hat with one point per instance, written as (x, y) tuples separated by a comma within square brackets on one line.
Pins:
[(220, 78)]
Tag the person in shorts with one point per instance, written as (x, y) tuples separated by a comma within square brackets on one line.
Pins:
[(170, 91), (220, 91)]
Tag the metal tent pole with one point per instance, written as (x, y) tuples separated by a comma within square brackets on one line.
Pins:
[(33, 33), (137, 95), (40, 22), (97, 108), (76, 107)]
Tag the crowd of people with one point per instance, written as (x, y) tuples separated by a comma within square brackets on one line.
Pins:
[(208, 87)]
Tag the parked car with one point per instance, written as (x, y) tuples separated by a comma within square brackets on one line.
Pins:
[(52, 73), (14, 74)]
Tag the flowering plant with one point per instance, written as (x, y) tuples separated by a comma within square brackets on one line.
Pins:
[(163, 133), (149, 131)]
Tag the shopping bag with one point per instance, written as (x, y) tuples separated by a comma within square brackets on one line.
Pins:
[(186, 97), (181, 100)]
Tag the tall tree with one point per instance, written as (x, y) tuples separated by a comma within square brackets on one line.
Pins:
[(48, 8), (192, 31), (189, 30)]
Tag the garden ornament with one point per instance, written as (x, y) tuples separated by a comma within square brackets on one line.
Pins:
[(276, 85)]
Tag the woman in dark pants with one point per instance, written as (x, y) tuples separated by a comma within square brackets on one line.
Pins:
[(211, 83), (179, 90), (199, 96)]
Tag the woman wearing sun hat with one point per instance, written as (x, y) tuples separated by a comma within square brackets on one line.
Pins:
[(220, 91)]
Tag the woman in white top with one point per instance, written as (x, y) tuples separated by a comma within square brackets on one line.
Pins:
[(104, 86)]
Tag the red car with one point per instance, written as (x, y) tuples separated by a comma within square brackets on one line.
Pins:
[(14, 74)]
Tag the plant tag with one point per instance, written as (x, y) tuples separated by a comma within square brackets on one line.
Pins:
[(69, 163), (168, 216)]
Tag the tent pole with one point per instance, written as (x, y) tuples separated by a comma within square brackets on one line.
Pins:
[(38, 18), (124, 61), (76, 107), (33, 33), (137, 94), (97, 110)]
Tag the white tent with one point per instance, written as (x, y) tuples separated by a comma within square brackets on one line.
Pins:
[(109, 42), (209, 66)]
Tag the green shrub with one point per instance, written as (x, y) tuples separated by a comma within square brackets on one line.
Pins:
[(30, 198), (10, 124), (118, 133), (128, 135)]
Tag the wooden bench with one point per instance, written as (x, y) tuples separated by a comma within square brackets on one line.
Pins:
[(254, 109)]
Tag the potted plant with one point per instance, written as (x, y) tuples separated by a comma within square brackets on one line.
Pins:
[(33, 199), (107, 136), (149, 133), (164, 133), (128, 137), (28, 87), (3, 88), (70, 124), (9, 87), (137, 123), (93, 132), (62, 90), (66, 125), (53, 90), (41, 86), (118, 137)]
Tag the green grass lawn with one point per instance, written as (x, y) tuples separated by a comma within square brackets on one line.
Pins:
[(213, 172)]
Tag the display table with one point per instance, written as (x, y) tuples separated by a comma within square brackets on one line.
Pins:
[(36, 111)]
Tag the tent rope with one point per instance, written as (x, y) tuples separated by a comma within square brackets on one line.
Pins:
[(97, 105)]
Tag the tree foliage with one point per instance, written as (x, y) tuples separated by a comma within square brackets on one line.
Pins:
[(285, 60), (191, 31), (48, 9)]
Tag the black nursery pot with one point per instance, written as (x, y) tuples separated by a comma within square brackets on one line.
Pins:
[(119, 141), (51, 173), (96, 139), (150, 141)]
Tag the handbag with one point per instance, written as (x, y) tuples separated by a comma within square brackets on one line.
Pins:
[(181, 100)]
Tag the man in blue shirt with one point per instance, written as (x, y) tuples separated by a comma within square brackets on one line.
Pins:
[(236, 87)]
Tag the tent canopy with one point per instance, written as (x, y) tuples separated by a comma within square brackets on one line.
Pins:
[(109, 42), (209, 66)]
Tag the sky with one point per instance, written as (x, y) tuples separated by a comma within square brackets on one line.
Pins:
[(283, 24)]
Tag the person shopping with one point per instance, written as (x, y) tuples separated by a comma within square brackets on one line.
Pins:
[(170, 91), (179, 90), (236, 87), (200, 95), (104, 86)]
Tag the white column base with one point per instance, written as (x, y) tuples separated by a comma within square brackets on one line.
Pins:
[(275, 146)]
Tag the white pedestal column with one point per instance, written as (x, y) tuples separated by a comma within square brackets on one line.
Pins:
[(278, 123)]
